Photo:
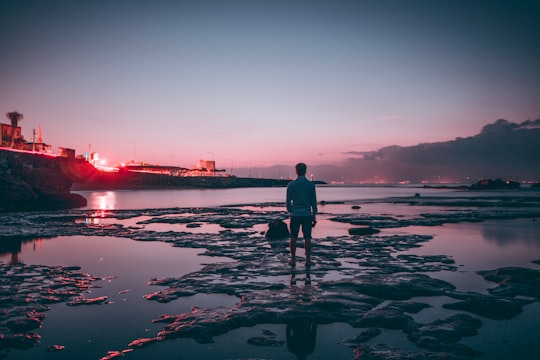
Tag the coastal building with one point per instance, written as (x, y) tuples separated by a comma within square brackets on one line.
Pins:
[(6, 136), (66, 152), (208, 165), (38, 147), (203, 168), (156, 169)]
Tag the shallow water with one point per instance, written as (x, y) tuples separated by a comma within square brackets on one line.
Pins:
[(126, 265), (88, 332)]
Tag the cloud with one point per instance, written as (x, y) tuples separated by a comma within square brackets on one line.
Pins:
[(502, 149), (530, 124)]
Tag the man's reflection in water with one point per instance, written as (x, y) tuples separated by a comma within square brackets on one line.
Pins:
[(301, 337), (301, 333), (307, 278)]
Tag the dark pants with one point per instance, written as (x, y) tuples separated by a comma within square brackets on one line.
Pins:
[(301, 221), (306, 222)]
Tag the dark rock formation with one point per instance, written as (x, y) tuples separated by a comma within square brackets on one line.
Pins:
[(497, 184), (492, 307), (277, 229), (514, 282), (444, 335), (363, 231), (34, 182)]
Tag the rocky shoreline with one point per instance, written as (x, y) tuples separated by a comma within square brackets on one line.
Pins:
[(374, 287)]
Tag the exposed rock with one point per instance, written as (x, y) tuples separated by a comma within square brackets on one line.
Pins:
[(87, 301), (490, 210), (489, 306), (34, 181), (391, 316), (277, 230), (19, 341), (27, 324), (363, 231), (444, 335), (497, 184), (25, 291), (514, 281), (115, 354), (364, 336), (393, 286), (55, 348), (141, 342)]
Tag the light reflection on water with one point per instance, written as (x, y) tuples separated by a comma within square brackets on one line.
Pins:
[(103, 201)]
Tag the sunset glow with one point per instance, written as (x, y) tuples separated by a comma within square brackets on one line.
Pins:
[(260, 83)]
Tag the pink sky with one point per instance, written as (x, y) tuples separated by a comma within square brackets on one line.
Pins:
[(259, 83)]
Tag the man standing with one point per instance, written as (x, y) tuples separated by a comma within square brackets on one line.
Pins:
[(302, 207)]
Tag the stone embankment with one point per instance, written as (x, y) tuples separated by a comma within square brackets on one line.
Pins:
[(35, 182)]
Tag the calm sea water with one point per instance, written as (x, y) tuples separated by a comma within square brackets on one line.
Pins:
[(142, 199), (89, 332)]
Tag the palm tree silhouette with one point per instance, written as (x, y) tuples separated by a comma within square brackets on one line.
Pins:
[(14, 117)]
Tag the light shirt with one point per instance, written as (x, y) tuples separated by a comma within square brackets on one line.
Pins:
[(301, 197)]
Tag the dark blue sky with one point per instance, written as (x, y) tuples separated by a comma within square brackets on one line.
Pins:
[(255, 83)]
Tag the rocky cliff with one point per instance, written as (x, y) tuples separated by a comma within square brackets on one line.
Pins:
[(35, 182)]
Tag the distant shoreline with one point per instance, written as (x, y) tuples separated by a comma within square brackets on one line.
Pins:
[(138, 181)]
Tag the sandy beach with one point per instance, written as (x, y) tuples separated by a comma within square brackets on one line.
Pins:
[(454, 277)]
